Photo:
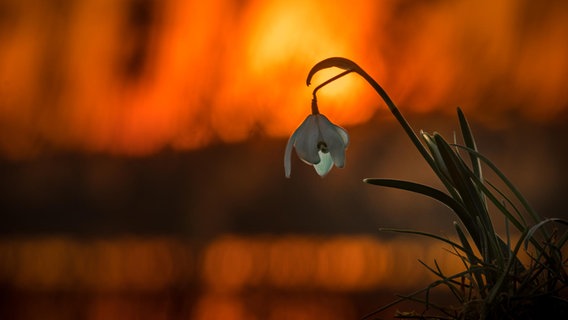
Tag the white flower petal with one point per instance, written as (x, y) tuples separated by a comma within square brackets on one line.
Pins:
[(307, 140), (325, 164), (288, 155), (336, 139), (343, 134), (317, 142)]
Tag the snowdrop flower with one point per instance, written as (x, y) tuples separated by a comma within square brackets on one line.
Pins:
[(318, 142)]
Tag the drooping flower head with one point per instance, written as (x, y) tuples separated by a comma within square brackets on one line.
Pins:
[(318, 142)]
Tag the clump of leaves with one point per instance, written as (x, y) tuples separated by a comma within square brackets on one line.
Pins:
[(494, 282)]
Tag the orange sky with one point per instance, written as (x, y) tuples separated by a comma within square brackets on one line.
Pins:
[(133, 77)]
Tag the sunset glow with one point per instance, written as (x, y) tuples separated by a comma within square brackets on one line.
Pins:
[(230, 264), (184, 74), (223, 272)]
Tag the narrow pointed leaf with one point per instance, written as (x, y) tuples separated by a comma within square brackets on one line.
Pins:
[(536, 227), (465, 243), (470, 143), (426, 234), (424, 190), (536, 217), (469, 193)]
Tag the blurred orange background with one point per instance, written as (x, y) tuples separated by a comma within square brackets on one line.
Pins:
[(137, 76), (141, 146)]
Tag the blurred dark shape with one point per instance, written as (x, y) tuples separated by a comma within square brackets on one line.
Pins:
[(241, 188), (140, 25)]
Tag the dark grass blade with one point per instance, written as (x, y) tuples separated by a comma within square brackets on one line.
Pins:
[(536, 227), (473, 202), (470, 143), (427, 191), (425, 234), (536, 217)]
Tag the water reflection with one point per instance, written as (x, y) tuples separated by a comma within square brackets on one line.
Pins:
[(231, 277)]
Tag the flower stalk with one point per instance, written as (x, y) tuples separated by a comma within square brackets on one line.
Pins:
[(494, 275), (349, 67)]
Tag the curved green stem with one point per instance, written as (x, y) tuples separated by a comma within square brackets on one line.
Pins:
[(315, 109), (326, 82), (351, 66)]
